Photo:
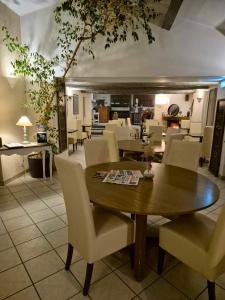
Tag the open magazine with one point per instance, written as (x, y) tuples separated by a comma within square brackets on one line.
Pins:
[(127, 177)]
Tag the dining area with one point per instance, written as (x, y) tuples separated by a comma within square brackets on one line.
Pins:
[(126, 182)]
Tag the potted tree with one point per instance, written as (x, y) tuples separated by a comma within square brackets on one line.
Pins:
[(80, 23)]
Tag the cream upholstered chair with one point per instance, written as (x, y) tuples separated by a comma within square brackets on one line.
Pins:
[(93, 231), (122, 121), (96, 152), (169, 131), (117, 122), (134, 132), (195, 128), (80, 134), (171, 137), (156, 132), (72, 139), (183, 154), (207, 142), (110, 137), (150, 122), (111, 127), (197, 241), (185, 126), (123, 133)]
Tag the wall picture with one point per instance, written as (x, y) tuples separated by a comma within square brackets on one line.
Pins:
[(75, 104)]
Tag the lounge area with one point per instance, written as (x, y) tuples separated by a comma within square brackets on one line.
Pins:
[(112, 156)]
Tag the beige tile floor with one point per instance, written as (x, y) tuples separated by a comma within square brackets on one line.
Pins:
[(33, 246)]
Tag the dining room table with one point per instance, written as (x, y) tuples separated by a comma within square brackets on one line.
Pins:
[(173, 191)]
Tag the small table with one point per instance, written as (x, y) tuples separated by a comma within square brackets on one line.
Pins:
[(31, 147), (138, 147), (173, 191)]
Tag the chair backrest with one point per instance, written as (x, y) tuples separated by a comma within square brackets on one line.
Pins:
[(123, 133), (129, 122), (185, 124), (81, 230), (122, 121), (184, 154), (195, 128), (110, 137), (207, 142), (171, 137), (169, 131), (111, 127), (117, 122), (156, 132), (71, 123), (216, 249), (150, 122), (96, 152), (78, 125)]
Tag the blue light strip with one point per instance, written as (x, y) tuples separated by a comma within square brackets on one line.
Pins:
[(222, 84)]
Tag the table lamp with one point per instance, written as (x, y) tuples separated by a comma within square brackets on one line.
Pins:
[(24, 121)]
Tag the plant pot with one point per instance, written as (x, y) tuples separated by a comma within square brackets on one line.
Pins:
[(35, 166)]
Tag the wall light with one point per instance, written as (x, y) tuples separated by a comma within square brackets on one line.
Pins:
[(161, 99)]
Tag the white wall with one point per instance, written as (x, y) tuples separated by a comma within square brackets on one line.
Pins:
[(12, 96), (192, 46)]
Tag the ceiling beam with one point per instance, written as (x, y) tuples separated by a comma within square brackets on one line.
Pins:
[(171, 14)]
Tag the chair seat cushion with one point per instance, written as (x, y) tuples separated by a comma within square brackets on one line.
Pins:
[(113, 231), (187, 238)]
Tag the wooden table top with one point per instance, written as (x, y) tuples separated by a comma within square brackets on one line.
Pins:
[(173, 190), (137, 146)]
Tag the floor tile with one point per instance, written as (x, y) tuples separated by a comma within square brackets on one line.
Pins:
[(42, 215), (127, 275), (62, 251), (116, 259), (110, 288), (58, 238), (8, 259), (2, 228), (80, 296), (50, 225), (79, 270), (64, 218), (13, 280), (27, 294), (186, 280), (17, 223), (34, 206), (25, 234), (221, 280), (33, 248), (18, 187), (5, 242), (161, 290), (220, 294), (59, 286), (59, 209), (12, 213), (53, 201), (24, 193), (44, 265)]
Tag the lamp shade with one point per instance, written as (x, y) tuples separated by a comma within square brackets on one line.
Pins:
[(24, 121)]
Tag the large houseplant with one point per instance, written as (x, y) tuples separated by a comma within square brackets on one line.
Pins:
[(80, 23)]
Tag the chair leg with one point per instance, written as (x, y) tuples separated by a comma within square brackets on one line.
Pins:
[(211, 290), (132, 256), (69, 257), (89, 271), (73, 148), (161, 256)]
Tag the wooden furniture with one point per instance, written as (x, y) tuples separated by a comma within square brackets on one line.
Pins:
[(103, 114), (218, 134), (137, 146), (173, 191), (172, 119), (29, 148)]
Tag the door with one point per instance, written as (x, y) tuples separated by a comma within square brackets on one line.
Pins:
[(217, 138)]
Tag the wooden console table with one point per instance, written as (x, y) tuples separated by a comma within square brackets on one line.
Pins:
[(172, 119), (27, 149)]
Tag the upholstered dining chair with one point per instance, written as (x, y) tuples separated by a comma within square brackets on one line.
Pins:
[(197, 241), (123, 133), (122, 121), (171, 137), (169, 131), (112, 143), (111, 127), (81, 135), (183, 154), (93, 231), (207, 142), (72, 139), (150, 122), (134, 132), (96, 152), (185, 126), (156, 132)]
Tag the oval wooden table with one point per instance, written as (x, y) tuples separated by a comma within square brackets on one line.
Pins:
[(138, 147), (173, 191)]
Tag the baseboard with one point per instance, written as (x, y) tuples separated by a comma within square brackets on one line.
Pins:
[(3, 183)]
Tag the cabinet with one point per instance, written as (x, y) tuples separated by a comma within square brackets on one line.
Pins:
[(103, 114)]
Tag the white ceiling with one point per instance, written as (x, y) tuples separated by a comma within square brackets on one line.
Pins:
[(23, 7)]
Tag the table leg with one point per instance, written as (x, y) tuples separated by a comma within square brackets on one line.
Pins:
[(50, 163), (140, 246), (43, 163)]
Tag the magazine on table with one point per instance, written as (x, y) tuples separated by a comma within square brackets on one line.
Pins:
[(126, 177)]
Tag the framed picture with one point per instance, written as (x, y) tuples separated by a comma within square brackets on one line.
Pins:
[(75, 104), (42, 137)]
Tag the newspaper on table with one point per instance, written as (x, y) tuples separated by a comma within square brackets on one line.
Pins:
[(126, 177)]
